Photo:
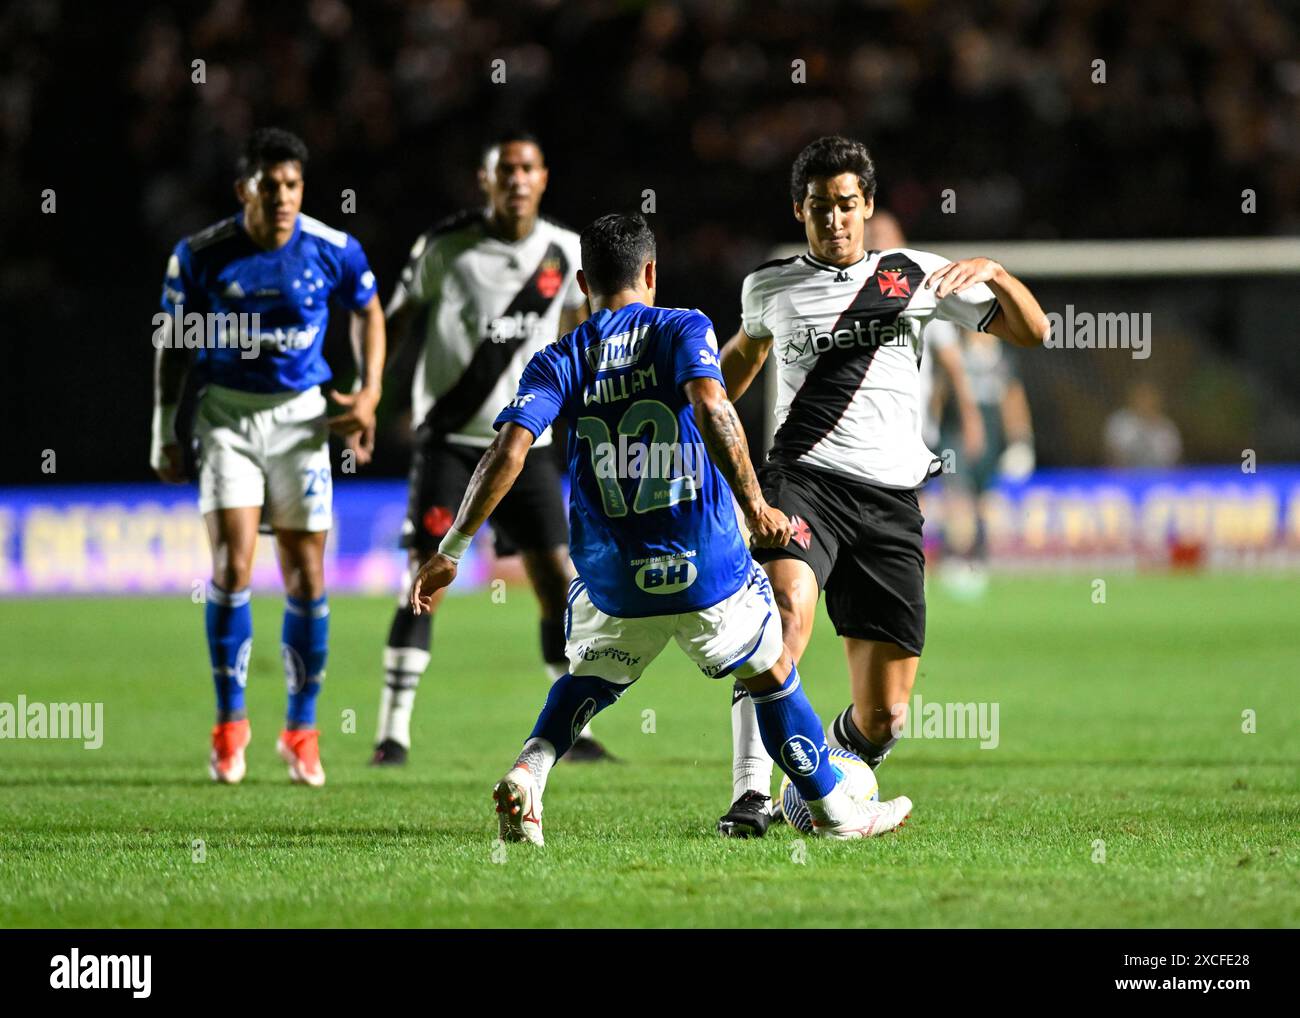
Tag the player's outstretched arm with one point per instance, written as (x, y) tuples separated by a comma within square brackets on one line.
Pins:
[(718, 423), (493, 477), (741, 358), (1020, 319)]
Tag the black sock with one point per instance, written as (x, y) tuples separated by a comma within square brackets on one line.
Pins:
[(409, 629), (847, 735), (552, 636)]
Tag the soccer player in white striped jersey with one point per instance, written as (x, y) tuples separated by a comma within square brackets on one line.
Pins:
[(483, 292), (846, 326)]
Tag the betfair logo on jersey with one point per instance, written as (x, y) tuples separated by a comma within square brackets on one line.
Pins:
[(619, 351), (665, 574), (809, 341), (522, 325), (283, 340)]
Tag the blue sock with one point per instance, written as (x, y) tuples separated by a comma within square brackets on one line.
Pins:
[(572, 702), (793, 736), (304, 643), (230, 641)]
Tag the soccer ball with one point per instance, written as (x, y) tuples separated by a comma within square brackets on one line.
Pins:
[(852, 771)]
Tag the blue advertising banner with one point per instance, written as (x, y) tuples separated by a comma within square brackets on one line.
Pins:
[(150, 538)]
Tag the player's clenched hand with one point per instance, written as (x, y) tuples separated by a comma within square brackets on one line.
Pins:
[(957, 276), (359, 412), (169, 464), (768, 528), (362, 444), (435, 574)]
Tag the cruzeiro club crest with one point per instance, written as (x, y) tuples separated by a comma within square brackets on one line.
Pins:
[(550, 277)]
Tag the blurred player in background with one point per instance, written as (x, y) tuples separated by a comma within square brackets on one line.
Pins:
[(846, 326), (1008, 451), (484, 291), (660, 556), (261, 425), (1140, 434)]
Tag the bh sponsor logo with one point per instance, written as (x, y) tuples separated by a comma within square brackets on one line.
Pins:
[(665, 574)]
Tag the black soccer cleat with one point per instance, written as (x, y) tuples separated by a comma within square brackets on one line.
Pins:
[(748, 817), (588, 750), (389, 753)]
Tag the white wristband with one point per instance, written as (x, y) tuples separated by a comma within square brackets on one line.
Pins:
[(163, 432), (455, 544)]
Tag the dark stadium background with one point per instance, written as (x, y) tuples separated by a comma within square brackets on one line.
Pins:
[(693, 100)]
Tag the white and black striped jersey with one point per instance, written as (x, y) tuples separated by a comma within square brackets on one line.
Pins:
[(847, 343), (488, 305)]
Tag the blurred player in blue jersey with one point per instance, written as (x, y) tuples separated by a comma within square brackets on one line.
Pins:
[(653, 530), (258, 285)]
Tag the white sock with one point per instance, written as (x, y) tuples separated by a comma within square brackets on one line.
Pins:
[(403, 667), (751, 767), (835, 808), (556, 669), (538, 755)]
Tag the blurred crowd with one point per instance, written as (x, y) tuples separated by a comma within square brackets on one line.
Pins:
[(1072, 119)]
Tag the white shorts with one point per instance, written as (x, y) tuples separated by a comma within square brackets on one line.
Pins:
[(267, 449), (739, 636)]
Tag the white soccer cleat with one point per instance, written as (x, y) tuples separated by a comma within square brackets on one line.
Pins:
[(519, 807), (867, 821)]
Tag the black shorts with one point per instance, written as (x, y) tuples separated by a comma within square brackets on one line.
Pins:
[(530, 517), (863, 544)]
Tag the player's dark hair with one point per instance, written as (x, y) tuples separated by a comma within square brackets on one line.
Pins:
[(829, 157), (270, 145), (506, 137), (614, 249)]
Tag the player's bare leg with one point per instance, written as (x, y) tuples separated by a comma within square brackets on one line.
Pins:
[(550, 571), (304, 644), (881, 676), (232, 536), (794, 587)]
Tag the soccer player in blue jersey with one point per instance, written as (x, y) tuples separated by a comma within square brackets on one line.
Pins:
[(245, 305), (653, 531)]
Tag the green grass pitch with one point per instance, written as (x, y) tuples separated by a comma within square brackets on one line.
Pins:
[(1120, 732)]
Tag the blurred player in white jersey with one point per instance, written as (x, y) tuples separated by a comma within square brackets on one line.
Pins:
[(846, 326), (261, 283), (483, 292), (1008, 451)]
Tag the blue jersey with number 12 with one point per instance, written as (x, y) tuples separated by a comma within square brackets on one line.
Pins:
[(652, 524)]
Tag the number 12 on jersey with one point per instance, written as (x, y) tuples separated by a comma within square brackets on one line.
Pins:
[(656, 489)]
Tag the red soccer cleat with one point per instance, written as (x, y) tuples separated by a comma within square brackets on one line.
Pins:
[(301, 751), (226, 764)]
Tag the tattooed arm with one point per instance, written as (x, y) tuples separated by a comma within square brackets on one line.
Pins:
[(725, 438)]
